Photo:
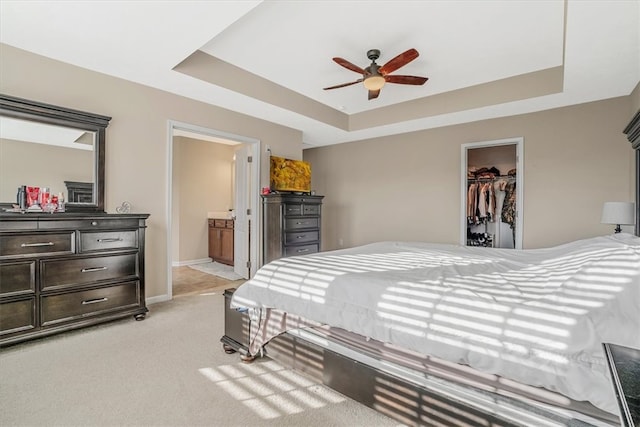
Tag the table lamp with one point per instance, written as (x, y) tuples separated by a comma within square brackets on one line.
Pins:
[(618, 213)]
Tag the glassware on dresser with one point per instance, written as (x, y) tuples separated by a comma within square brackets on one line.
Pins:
[(33, 196)]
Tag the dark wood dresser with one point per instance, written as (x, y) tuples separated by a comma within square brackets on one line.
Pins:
[(65, 271), (291, 225)]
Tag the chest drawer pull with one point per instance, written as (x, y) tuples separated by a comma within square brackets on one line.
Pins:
[(109, 240), (302, 250), (91, 269), (33, 245), (94, 301), (301, 236)]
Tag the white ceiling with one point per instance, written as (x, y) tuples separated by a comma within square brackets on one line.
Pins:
[(462, 44)]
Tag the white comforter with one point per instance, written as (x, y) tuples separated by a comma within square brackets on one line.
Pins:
[(535, 316)]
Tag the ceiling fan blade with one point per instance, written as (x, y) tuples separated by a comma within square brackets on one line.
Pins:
[(399, 61), (373, 94), (348, 65), (343, 85), (406, 80)]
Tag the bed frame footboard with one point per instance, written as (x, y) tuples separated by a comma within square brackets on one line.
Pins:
[(389, 392)]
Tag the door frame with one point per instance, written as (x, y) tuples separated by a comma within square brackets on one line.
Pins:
[(519, 143), (255, 225)]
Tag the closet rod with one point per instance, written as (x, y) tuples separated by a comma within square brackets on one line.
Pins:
[(492, 179)]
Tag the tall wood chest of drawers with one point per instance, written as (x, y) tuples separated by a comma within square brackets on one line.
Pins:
[(291, 225), (66, 271)]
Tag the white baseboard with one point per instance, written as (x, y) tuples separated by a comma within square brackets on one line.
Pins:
[(190, 262), (156, 299)]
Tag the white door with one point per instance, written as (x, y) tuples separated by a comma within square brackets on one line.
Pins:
[(242, 203)]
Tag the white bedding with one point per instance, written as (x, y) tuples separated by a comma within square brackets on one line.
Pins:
[(535, 316)]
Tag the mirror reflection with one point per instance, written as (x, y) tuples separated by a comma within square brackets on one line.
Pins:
[(45, 155)]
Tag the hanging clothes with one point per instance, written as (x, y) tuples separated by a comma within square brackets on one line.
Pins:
[(509, 208), (489, 200), (509, 205), (472, 203), (485, 202), (491, 206), (482, 203)]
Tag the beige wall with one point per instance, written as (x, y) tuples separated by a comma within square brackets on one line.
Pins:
[(407, 187), (136, 148), (202, 183), (635, 100)]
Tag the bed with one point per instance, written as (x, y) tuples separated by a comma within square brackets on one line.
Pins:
[(449, 335), (532, 321)]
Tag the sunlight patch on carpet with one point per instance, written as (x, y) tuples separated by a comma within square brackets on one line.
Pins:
[(270, 390)]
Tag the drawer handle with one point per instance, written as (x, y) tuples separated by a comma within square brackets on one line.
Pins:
[(94, 301), (109, 240), (33, 245), (301, 237), (92, 269), (302, 223), (302, 250), (94, 223)]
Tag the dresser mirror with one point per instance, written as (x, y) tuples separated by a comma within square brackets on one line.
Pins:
[(44, 145)]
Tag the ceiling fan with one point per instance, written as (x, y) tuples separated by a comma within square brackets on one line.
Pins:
[(375, 76)]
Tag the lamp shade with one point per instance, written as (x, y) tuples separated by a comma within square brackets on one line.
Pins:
[(618, 213)]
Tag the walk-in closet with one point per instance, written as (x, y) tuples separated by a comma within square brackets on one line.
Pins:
[(492, 193)]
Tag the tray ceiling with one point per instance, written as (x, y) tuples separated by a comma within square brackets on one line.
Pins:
[(271, 59)]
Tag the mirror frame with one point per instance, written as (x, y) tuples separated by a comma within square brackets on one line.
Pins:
[(19, 108)]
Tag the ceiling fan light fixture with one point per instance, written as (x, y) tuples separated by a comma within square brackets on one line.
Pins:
[(375, 76), (374, 82)]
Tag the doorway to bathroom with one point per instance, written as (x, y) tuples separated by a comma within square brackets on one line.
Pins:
[(213, 180)]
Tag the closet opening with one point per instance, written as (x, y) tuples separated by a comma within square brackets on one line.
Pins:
[(491, 176)]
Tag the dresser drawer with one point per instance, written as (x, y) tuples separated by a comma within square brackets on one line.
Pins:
[(77, 271), (23, 245), (311, 209), (18, 225), (301, 237), (17, 316), (300, 223), (97, 241), (17, 278), (302, 209), (293, 210), (93, 223), (301, 250), (74, 305)]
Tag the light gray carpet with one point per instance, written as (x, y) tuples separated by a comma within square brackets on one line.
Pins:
[(168, 370), (217, 269)]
